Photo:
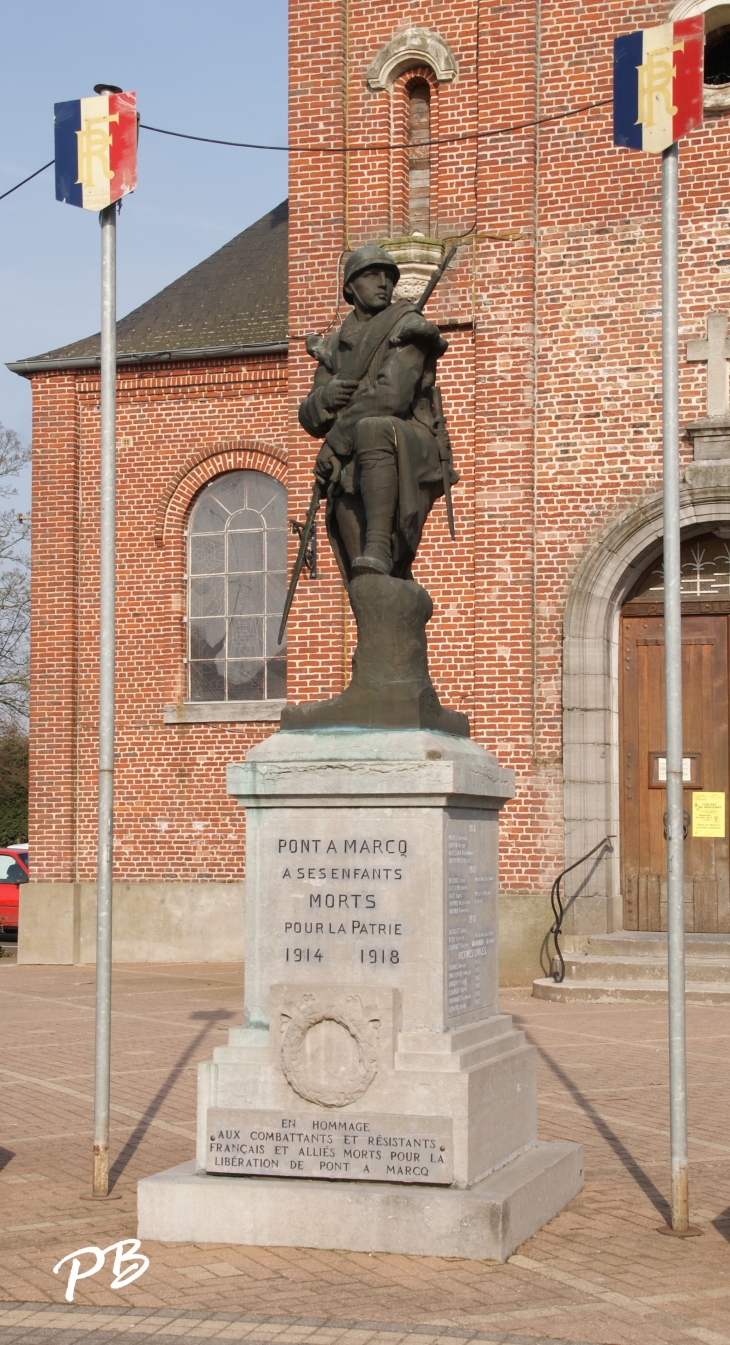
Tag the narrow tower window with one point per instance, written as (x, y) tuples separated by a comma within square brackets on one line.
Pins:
[(419, 157)]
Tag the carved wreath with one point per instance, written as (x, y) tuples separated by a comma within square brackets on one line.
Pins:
[(364, 1032)]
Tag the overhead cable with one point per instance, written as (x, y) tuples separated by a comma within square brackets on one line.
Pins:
[(343, 149), (375, 145), (10, 190)]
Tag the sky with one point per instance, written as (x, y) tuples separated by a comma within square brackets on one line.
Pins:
[(216, 68)]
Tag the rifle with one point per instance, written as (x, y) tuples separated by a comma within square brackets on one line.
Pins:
[(442, 433), (444, 443), (319, 490), (305, 535), (433, 282)]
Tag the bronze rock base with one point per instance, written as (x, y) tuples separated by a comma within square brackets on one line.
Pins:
[(391, 687)]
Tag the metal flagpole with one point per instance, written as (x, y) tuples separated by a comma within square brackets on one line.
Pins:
[(96, 165), (108, 220), (658, 97), (673, 693)]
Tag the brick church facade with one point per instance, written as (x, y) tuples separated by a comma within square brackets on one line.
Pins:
[(547, 613)]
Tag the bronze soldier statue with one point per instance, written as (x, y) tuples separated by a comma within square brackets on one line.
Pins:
[(385, 460), (381, 460)]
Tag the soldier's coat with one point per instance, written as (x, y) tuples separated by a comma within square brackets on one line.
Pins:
[(394, 382)]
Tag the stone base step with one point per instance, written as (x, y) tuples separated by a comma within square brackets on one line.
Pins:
[(484, 1222), (698, 970), (650, 992), (631, 943)]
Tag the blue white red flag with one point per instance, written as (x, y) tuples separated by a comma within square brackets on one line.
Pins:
[(657, 84), (96, 149)]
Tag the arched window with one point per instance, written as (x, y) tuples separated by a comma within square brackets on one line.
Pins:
[(717, 48), (236, 589), (717, 53), (419, 158)]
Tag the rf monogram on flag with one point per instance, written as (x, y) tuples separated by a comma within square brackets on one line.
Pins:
[(96, 149), (657, 84)]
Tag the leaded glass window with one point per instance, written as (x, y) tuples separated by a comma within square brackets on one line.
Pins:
[(236, 588)]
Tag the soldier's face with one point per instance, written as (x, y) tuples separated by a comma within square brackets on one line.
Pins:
[(372, 289)]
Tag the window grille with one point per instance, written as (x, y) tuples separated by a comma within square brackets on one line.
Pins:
[(236, 589), (704, 571)]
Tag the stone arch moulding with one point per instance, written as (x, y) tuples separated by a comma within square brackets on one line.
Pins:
[(717, 15), (416, 46), (230, 456), (591, 682)]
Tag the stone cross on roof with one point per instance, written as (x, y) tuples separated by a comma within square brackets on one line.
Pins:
[(715, 350)]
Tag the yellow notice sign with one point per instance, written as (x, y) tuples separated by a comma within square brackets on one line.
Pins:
[(708, 814)]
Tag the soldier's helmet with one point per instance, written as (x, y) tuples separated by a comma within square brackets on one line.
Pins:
[(361, 259)]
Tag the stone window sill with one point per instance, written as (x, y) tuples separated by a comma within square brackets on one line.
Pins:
[(223, 712), (716, 97)]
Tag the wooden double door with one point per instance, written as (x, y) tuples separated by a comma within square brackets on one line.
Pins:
[(706, 703)]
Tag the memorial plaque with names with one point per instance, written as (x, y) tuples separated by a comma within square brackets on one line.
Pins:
[(471, 917), (243, 1142)]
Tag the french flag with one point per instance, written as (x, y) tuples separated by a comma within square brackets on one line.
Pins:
[(657, 84), (96, 149)]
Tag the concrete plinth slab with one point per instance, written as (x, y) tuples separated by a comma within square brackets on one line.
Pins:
[(484, 1223)]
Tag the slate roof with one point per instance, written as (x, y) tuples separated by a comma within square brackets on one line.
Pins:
[(236, 298)]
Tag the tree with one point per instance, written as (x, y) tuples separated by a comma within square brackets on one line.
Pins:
[(13, 784), (14, 587)]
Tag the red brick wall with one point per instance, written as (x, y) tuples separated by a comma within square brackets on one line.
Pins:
[(599, 317), (54, 630), (535, 490), (534, 494), (479, 638), (187, 422)]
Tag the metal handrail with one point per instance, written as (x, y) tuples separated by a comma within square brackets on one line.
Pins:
[(559, 909)]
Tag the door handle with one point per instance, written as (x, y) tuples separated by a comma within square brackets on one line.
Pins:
[(685, 824)]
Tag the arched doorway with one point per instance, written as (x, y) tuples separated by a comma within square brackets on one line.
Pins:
[(705, 563), (606, 577)]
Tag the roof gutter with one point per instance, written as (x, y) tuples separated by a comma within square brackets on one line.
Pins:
[(41, 365)]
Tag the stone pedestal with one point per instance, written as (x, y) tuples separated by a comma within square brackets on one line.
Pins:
[(376, 1099)]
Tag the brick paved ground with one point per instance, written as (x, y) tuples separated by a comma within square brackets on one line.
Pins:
[(599, 1273)]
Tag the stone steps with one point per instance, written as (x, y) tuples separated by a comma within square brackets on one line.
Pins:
[(697, 969), (633, 966), (650, 992), (632, 944)]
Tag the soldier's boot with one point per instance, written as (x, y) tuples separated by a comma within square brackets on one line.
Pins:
[(379, 490)]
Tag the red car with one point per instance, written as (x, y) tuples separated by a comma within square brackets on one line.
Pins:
[(13, 872)]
